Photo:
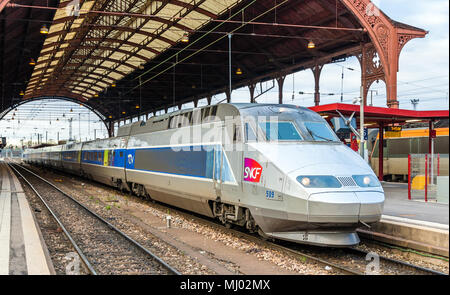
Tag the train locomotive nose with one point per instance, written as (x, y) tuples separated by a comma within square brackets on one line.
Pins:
[(345, 208)]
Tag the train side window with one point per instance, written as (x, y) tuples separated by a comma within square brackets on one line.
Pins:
[(250, 135), (213, 111), (196, 117), (205, 113), (188, 117), (237, 134), (172, 122)]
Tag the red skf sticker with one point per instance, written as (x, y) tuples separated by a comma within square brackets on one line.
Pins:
[(252, 170)]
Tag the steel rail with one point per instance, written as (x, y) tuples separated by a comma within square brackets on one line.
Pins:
[(84, 259), (276, 246), (124, 235)]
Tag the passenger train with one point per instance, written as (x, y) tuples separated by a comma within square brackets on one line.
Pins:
[(278, 170), (408, 141)]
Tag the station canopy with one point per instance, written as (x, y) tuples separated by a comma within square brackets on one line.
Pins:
[(130, 57), (375, 117)]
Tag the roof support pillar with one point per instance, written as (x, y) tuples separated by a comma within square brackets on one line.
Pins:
[(430, 137), (388, 39), (3, 4), (252, 88), (280, 81), (195, 103), (228, 96), (110, 127), (209, 99), (380, 152), (317, 69)]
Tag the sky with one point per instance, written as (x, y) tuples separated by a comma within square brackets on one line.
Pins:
[(423, 75)]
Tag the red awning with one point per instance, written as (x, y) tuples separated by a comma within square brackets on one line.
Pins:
[(380, 114)]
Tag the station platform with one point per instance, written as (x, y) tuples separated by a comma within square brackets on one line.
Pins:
[(411, 224), (398, 205), (22, 249)]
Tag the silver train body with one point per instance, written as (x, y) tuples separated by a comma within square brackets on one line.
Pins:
[(276, 169)]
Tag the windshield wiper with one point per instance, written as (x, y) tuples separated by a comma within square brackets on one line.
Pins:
[(315, 135)]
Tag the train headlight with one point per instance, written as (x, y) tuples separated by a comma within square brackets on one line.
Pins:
[(366, 180), (306, 181), (319, 181)]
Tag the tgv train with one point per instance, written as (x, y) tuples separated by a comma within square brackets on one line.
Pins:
[(279, 170)]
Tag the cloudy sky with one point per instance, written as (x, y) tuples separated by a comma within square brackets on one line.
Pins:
[(423, 75)]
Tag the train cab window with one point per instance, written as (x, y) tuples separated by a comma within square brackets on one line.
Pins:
[(280, 131), (320, 131)]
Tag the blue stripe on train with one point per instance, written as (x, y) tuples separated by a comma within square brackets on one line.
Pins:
[(185, 161)]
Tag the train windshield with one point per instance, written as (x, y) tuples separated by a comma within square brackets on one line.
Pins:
[(280, 131), (319, 131)]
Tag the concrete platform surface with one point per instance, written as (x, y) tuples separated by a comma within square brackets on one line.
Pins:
[(22, 250), (398, 205)]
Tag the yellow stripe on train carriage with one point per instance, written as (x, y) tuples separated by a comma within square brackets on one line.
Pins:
[(423, 132)]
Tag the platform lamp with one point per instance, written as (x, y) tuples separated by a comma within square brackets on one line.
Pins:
[(360, 100), (185, 38), (32, 62), (44, 30), (311, 45)]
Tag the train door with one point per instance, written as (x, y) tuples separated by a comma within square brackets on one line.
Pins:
[(218, 169)]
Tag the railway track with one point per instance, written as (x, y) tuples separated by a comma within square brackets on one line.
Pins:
[(348, 261), (102, 248)]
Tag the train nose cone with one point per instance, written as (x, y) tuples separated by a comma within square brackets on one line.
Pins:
[(345, 207), (372, 204), (333, 207)]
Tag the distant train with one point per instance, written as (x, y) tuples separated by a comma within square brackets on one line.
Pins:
[(410, 141), (290, 179)]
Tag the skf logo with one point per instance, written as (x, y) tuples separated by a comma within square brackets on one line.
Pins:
[(252, 170)]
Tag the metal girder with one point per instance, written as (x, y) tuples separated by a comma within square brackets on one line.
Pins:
[(104, 47), (3, 4), (95, 57), (174, 22), (117, 28)]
